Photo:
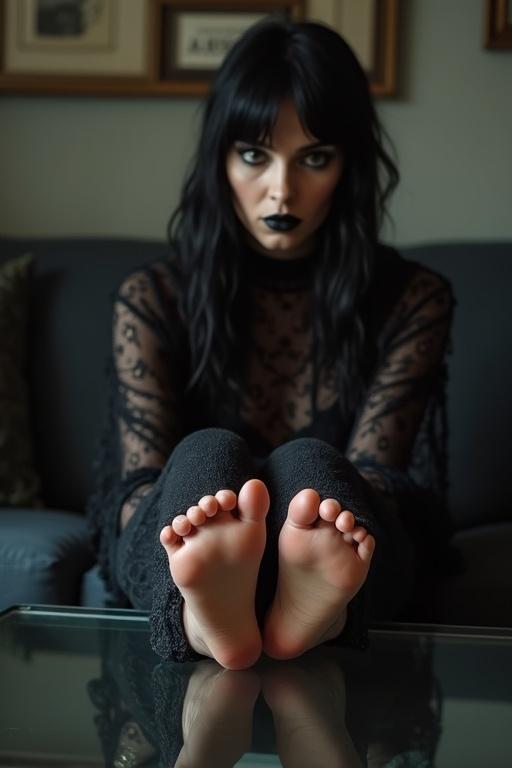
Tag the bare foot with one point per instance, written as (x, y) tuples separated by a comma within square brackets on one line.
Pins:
[(324, 560), (214, 555), (217, 716)]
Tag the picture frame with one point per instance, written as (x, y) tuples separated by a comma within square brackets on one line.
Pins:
[(196, 35), (371, 28), (71, 47), (498, 24)]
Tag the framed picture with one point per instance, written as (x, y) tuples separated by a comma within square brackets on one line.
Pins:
[(498, 24), (197, 34), (371, 29), (74, 46)]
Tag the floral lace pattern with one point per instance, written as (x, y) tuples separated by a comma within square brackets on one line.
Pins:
[(146, 386), (406, 378)]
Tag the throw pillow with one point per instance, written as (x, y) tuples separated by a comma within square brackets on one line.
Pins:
[(19, 484)]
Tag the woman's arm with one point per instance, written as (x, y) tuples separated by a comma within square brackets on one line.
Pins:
[(147, 379), (408, 375)]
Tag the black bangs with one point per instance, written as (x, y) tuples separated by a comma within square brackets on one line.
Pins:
[(250, 115), (253, 113), (321, 123), (253, 100)]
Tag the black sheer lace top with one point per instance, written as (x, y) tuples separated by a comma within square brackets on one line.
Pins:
[(396, 436)]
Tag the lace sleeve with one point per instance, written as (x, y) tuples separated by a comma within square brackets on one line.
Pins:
[(400, 423), (147, 375), (147, 387)]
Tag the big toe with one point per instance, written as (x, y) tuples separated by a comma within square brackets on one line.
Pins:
[(303, 508), (253, 501)]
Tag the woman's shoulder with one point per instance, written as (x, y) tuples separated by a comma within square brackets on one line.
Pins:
[(400, 275), (417, 299), (150, 291), (401, 289), (390, 259), (154, 278)]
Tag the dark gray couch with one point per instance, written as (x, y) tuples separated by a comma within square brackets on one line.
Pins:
[(44, 555)]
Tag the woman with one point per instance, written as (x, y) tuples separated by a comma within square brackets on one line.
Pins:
[(277, 386)]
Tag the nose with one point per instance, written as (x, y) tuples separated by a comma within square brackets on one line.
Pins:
[(280, 184)]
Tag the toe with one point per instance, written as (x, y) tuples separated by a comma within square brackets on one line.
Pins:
[(359, 534), (329, 510), (169, 539), (366, 549), (303, 508), (197, 515), (345, 521), (253, 501), (181, 525), (226, 499), (209, 505)]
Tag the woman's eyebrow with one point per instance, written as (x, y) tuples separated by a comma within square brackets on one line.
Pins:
[(316, 145), (268, 145)]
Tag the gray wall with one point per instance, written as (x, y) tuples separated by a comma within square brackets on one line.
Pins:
[(115, 166), (453, 128)]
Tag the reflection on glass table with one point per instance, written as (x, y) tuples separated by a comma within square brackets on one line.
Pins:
[(85, 689)]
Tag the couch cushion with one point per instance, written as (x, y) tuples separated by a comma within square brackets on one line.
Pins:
[(43, 555), (480, 593), (74, 280), (94, 592), (19, 484)]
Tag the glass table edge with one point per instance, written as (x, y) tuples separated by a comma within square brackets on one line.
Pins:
[(441, 630), (374, 629), (73, 611)]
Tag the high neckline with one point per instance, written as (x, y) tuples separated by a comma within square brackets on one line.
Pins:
[(281, 274)]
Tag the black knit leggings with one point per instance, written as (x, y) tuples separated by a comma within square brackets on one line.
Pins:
[(212, 459)]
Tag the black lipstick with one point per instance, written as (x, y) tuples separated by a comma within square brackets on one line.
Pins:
[(282, 223)]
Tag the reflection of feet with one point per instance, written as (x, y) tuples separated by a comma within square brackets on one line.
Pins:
[(307, 699), (214, 555), (324, 559), (217, 716)]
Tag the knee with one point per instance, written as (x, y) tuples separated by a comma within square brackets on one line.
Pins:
[(310, 450), (313, 463), (209, 443)]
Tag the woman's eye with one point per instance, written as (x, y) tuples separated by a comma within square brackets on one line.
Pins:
[(317, 160), (252, 156)]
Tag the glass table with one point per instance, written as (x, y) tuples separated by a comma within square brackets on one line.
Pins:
[(82, 688)]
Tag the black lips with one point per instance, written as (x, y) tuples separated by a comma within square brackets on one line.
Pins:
[(283, 223)]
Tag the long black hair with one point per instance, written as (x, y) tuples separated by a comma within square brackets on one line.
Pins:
[(313, 66)]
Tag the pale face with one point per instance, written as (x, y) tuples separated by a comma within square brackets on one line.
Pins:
[(293, 176)]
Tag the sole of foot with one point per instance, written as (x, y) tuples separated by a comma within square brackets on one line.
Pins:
[(214, 554), (324, 559)]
